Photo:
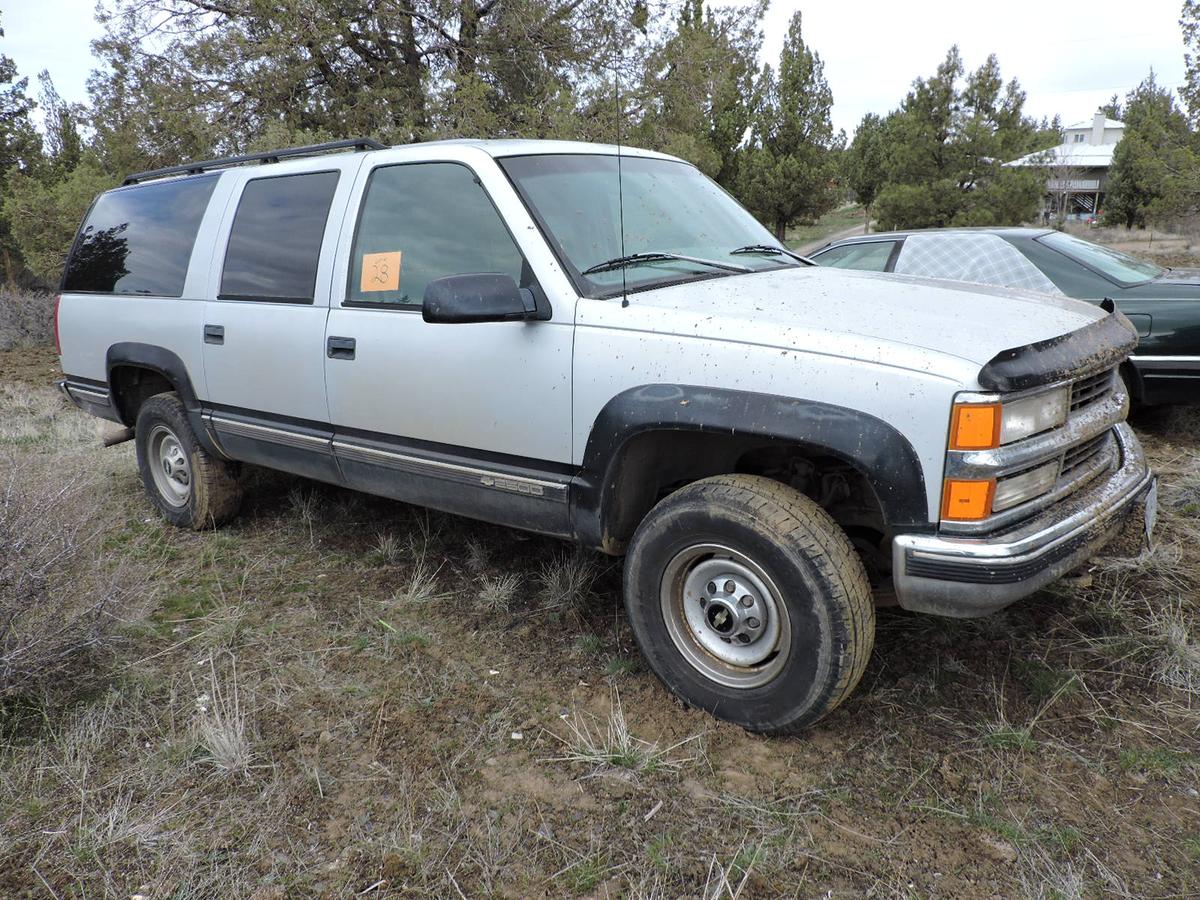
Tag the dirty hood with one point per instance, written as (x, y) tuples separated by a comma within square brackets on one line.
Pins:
[(860, 313)]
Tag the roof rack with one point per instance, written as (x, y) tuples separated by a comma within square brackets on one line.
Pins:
[(269, 156)]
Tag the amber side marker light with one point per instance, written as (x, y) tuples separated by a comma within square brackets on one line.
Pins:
[(975, 426), (967, 501)]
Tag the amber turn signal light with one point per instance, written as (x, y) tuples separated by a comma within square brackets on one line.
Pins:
[(967, 501), (975, 426)]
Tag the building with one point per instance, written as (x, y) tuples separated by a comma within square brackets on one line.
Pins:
[(1077, 169)]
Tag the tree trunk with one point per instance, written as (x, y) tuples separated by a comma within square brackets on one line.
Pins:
[(411, 75), (780, 229)]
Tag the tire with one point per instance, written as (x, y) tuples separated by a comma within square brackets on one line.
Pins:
[(792, 639), (189, 487)]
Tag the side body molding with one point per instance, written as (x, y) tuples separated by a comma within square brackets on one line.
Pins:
[(873, 447), (171, 367)]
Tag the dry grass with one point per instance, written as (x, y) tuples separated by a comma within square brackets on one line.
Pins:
[(221, 727), (497, 593), (611, 745), (56, 617), (567, 582), (298, 706)]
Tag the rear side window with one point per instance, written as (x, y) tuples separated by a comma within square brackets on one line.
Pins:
[(423, 221), (138, 240), (275, 241), (870, 257)]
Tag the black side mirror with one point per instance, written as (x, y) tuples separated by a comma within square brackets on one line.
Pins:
[(487, 297)]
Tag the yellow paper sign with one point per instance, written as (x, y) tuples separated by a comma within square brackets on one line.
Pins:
[(380, 272)]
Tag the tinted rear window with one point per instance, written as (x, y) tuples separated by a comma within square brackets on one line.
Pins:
[(138, 240), (275, 241)]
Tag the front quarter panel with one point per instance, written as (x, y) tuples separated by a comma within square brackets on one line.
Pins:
[(614, 353)]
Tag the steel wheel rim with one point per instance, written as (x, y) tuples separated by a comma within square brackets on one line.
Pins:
[(725, 616), (169, 466)]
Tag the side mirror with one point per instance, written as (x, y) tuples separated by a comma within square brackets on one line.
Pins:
[(487, 297)]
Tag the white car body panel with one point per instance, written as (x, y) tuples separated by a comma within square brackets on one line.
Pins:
[(91, 323), (498, 386), (273, 358), (898, 349)]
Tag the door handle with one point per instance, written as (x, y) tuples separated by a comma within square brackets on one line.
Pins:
[(214, 334), (340, 348)]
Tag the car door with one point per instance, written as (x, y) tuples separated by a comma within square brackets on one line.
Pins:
[(467, 417), (264, 326)]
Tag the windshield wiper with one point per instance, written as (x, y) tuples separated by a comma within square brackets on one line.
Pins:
[(770, 248), (634, 259)]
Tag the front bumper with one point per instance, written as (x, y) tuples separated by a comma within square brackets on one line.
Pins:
[(973, 576)]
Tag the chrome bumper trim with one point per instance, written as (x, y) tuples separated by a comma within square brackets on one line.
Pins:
[(979, 575)]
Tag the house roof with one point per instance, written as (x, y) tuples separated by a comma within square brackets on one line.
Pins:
[(1081, 155), (1087, 125)]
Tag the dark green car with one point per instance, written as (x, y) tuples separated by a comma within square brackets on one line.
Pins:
[(1163, 304)]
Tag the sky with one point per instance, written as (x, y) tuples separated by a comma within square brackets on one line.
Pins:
[(1069, 55)]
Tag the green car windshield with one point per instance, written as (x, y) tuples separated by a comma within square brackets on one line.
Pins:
[(1113, 264), (666, 207)]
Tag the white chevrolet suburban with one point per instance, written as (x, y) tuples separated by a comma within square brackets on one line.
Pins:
[(601, 345)]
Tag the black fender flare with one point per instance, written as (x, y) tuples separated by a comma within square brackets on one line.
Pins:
[(881, 453), (172, 368)]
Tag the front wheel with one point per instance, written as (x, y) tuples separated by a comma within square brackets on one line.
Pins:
[(190, 488), (750, 602)]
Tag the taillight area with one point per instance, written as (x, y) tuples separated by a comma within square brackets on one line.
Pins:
[(57, 339)]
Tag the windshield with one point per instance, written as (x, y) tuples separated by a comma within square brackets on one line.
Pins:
[(1120, 267), (669, 208)]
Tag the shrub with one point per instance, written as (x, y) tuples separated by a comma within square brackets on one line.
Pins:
[(25, 318), (54, 609)]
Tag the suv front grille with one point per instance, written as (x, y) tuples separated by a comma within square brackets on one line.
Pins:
[(1078, 457), (1087, 391)]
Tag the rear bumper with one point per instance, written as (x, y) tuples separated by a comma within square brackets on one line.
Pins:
[(973, 576), (91, 397)]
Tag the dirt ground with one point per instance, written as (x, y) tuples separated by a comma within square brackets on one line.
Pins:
[(342, 696)]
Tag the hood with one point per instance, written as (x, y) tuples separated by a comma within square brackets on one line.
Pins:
[(867, 315)]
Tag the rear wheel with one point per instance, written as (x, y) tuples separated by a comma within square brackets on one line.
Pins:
[(749, 601), (189, 487)]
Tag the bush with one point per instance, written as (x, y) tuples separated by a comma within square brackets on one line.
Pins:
[(54, 610), (26, 317)]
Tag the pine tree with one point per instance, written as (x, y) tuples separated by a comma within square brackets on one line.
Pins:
[(1153, 166), (946, 148), (788, 171), (864, 162)]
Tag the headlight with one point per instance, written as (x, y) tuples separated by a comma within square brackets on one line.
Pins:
[(1015, 489), (984, 426), (1033, 415)]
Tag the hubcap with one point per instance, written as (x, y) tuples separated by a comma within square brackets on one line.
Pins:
[(169, 465), (725, 615)]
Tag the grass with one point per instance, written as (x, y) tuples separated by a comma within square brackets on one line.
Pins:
[(831, 223), (321, 698), (611, 745), (221, 728)]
